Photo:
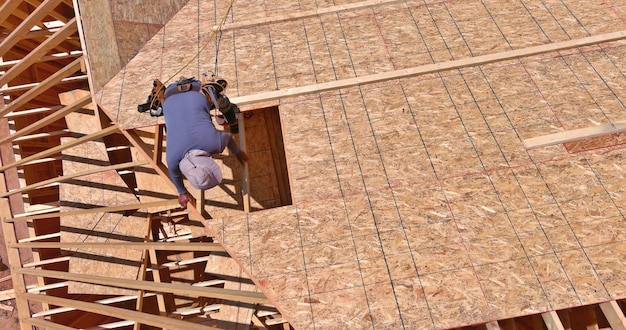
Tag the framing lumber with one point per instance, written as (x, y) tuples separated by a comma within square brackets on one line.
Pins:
[(552, 321), (428, 68), (43, 86), (49, 119), (43, 324), (105, 301), (47, 58), (614, 315), (160, 246), (71, 176), (39, 52), (26, 25), (574, 135), (7, 207), (25, 87), (167, 202), (144, 318), (8, 7), (31, 111), (177, 289), (64, 132), (57, 149)]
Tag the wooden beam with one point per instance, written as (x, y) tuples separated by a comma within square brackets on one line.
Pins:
[(492, 325), (43, 86), (39, 52), (80, 103), (57, 149), (552, 321), (144, 318), (32, 111), (428, 68), (108, 209), (8, 8), (614, 315), (159, 246), (26, 25), (11, 90), (43, 324), (148, 154), (47, 58), (9, 231), (71, 176), (106, 301), (36, 136), (176, 289), (574, 135)]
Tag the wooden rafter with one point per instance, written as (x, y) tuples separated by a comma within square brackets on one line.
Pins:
[(71, 176), (43, 86), (39, 52), (177, 289), (111, 209), (33, 19), (57, 149), (159, 246), (49, 119), (144, 318)]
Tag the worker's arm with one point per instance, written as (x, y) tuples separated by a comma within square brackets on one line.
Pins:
[(177, 178)]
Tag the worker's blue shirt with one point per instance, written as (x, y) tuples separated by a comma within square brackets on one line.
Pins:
[(189, 126)]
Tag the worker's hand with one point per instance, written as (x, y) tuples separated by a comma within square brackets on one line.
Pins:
[(183, 199), (242, 157)]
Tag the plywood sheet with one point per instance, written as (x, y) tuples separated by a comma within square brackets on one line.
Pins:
[(415, 203)]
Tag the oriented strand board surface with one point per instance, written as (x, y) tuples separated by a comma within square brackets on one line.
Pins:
[(415, 203), (116, 30)]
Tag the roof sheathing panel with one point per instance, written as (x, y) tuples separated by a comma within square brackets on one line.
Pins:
[(415, 203)]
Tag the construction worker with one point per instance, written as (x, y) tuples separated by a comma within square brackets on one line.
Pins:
[(192, 138)]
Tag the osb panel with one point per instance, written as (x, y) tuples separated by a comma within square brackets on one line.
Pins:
[(115, 31), (415, 203)]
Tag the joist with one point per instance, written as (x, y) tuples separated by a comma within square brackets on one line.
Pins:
[(9, 230), (428, 68), (552, 321), (112, 325), (109, 209), (26, 25), (53, 80), (39, 238), (39, 52), (574, 135), (106, 301), (144, 318), (71, 176), (614, 315), (177, 289), (47, 58), (64, 146), (49, 119), (25, 87), (59, 133), (197, 310), (46, 262), (7, 8), (29, 112), (159, 246), (492, 325)]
